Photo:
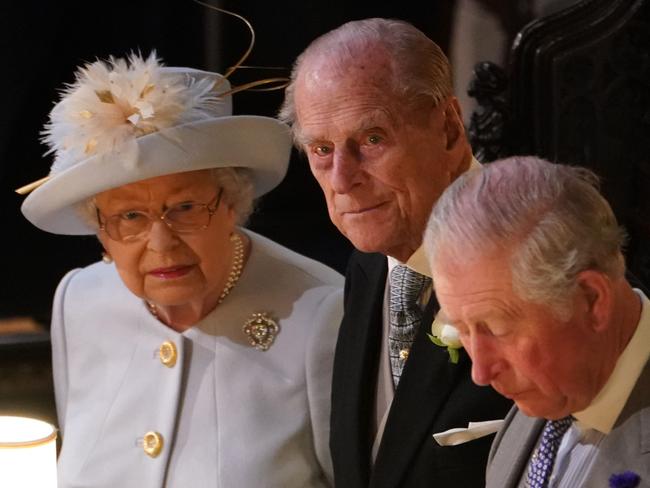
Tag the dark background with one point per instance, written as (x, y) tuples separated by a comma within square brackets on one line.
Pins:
[(44, 42)]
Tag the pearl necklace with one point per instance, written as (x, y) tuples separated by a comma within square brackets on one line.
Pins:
[(233, 276), (236, 268)]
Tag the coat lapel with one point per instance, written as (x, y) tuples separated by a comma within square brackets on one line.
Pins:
[(356, 361), (627, 446)]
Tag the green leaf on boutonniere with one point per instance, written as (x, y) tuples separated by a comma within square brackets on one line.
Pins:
[(436, 341), (454, 355)]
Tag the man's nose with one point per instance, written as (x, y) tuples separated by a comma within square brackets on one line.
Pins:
[(345, 169), (486, 363)]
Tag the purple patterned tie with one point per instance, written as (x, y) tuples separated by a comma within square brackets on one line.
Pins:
[(405, 314), (541, 463)]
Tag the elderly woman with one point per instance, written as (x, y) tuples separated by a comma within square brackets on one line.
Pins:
[(197, 353)]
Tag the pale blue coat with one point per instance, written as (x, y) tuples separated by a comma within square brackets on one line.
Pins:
[(230, 415)]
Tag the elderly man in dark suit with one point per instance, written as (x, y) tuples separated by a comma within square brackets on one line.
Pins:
[(371, 105), (527, 264)]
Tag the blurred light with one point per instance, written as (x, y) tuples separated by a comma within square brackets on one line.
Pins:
[(27, 453)]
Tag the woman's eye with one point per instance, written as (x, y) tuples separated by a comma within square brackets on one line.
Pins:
[(132, 215), (184, 207)]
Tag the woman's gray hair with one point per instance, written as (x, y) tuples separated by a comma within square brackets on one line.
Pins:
[(419, 67), (237, 187), (550, 216)]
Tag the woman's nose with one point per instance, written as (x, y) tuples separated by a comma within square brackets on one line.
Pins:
[(161, 237)]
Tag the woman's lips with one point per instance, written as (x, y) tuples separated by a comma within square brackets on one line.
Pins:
[(171, 272)]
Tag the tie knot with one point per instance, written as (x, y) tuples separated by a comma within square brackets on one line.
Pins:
[(406, 286), (555, 429)]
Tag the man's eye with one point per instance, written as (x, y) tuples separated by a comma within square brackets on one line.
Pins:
[(322, 150), (374, 139)]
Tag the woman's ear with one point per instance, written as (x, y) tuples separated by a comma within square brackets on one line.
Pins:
[(106, 255), (597, 292), (102, 240)]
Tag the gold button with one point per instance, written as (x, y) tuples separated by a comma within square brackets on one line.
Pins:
[(404, 354), (152, 444), (168, 354)]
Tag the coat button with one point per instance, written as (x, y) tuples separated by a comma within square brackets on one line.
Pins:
[(152, 444), (404, 354), (168, 354)]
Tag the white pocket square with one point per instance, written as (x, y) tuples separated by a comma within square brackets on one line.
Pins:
[(474, 430)]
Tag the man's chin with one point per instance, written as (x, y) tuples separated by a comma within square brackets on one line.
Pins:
[(365, 242), (540, 410)]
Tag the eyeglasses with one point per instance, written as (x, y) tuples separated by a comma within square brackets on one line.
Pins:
[(183, 218)]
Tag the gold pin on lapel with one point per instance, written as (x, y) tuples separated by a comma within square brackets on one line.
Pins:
[(261, 330)]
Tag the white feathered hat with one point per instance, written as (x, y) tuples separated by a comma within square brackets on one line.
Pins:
[(129, 120)]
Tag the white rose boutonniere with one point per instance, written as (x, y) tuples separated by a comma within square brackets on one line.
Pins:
[(446, 335)]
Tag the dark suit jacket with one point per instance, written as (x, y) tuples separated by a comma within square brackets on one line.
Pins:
[(626, 447), (434, 395)]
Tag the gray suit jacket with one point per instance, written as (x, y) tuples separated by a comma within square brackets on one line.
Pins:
[(626, 447)]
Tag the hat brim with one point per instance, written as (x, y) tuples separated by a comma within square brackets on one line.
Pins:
[(262, 144)]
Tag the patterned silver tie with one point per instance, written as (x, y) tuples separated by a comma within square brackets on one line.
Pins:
[(405, 314), (541, 463)]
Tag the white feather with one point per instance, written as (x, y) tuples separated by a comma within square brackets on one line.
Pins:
[(112, 103)]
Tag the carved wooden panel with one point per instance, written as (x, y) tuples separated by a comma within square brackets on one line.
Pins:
[(577, 91)]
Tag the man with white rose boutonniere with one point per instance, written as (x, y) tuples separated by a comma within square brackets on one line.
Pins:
[(539, 297), (371, 105)]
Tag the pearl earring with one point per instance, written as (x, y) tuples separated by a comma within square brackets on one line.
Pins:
[(106, 258)]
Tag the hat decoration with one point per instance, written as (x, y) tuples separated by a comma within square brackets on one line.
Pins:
[(128, 120), (112, 103)]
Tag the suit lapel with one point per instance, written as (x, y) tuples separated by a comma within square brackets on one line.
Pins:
[(627, 446), (423, 389), (356, 361)]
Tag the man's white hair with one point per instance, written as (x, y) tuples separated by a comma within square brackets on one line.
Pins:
[(420, 70), (550, 217)]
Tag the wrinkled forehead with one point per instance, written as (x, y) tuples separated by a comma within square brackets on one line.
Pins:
[(367, 65), (331, 86)]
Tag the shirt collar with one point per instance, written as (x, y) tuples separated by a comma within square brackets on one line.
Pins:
[(608, 404)]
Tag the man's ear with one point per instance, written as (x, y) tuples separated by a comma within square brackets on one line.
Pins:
[(597, 292), (454, 127), (456, 144)]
